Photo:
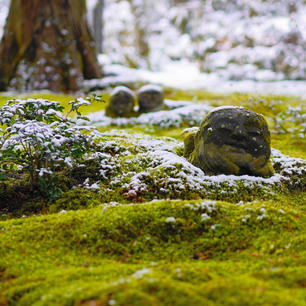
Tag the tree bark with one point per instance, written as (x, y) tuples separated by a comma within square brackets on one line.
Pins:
[(47, 45), (98, 25)]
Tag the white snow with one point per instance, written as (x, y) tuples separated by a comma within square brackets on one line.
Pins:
[(140, 273), (216, 109), (180, 113), (205, 217), (158, 166), (184, 76), (240, 42), (150, 87), (118, 89), (192, 129), (170, 220)]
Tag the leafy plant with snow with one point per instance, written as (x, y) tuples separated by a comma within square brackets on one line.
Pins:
[(38, 139), (286, 119), (292, 120)]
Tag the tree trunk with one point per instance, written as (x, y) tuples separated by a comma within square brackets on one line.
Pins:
[(98, 25), (47, 45)]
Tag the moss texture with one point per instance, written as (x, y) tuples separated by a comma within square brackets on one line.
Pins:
[(163, 252), (100, 247)]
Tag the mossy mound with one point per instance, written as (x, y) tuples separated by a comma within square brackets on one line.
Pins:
[(152, 168), (131, 167), (122, 246), (169, 252)]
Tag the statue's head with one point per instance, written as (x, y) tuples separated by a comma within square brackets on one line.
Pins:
[(121, 103), (150, 98), (233, 140)]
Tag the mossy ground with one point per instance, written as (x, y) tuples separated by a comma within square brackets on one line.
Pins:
[(167, 252), (91, 257)]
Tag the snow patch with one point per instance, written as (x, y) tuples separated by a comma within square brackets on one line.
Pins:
[(180, 114), (154, 166)]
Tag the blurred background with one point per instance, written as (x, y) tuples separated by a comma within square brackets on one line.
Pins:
[(262, 40)]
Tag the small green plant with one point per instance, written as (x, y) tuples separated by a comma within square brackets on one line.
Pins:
[(267, 107), (37, 139), (287, 119), (292, 120)]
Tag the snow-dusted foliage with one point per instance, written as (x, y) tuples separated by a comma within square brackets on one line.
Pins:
[(36, 138), (259, 40), (292, 120), (262, 40)]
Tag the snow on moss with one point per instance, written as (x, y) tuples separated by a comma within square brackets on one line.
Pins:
[(153, 168), (180, 114)]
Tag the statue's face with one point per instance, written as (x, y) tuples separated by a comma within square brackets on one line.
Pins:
[(122, 103), (239, 129), (234, 138), (150, 100)]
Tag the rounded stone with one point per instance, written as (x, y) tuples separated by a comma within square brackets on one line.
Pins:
[(150, 98), (232, 140), (121, 103)]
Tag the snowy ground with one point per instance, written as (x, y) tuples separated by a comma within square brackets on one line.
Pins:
[(179, 114), (157, 158), (239, 40), (187, 76)]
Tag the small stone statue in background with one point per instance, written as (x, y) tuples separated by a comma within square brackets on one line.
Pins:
[(150, 98), (121, 103), (231, 140)]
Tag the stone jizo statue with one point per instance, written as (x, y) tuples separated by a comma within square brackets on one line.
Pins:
[(150, 98), (231, 140), (121, 103)]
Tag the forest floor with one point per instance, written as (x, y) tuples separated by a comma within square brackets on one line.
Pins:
[(152, 235)]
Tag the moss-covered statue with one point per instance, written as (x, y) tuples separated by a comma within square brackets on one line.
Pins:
[(121, 103), (150, 98), (231, 140)]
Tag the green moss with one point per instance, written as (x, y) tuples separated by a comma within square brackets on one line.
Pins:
[(295, 147), (75, 199), (92, 255), (189, 144), (113, 114), (267, 105), (133, 254)]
